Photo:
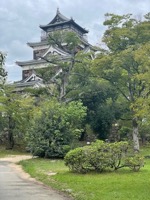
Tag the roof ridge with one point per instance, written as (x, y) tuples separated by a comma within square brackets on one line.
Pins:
[(58, 16)]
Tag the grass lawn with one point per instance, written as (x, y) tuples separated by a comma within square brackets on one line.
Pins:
[(120, 185), (5, 153)]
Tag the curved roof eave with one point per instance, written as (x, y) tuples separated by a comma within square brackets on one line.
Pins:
[(30, 62), (59, 16), (34, 44), (45, 27)]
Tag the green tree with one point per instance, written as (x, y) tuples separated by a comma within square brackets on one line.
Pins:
[(126, 61), (61, 70), (16, 111), (55, 127), (76, 81)]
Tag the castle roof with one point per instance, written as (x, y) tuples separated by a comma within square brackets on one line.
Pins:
[(29, 62), (36, 44), (60, 19)]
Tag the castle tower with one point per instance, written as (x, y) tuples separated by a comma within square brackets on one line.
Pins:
[(43, 48)]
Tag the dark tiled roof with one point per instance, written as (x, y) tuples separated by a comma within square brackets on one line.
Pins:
[(29, 62), (60, 19), (34, 44), (41, 61), (71, 21), (19, 86)]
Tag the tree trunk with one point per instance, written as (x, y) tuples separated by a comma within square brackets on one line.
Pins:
[(10, 140), (63, 86), (10, 144), (135, 135)]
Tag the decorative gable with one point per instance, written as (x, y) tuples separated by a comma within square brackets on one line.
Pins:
[(32, 77), (59, 18)]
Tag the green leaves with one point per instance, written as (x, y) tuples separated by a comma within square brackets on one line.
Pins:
[(16, 111), (124, 31), (3, 73), (67, 41), (100, 156), (135, 163), (55, 127), (126, 66)]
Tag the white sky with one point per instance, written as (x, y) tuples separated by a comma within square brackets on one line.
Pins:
[(20, 20)]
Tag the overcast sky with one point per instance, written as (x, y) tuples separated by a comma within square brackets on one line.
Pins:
[(20, 20)]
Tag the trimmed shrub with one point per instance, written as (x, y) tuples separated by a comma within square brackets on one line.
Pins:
[(100, 156), (118, 151), (77, 160), (108, 154), (135, 162)]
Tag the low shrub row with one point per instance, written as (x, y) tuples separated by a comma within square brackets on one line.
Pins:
[(100, 156)]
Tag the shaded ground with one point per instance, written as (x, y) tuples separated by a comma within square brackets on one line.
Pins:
[(15, 184)]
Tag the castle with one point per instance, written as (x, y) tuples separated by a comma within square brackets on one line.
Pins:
[(42, 49)]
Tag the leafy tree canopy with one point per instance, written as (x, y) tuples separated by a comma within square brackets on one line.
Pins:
[(126, 62), (16, 111)]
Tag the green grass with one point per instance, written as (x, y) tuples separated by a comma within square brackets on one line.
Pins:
[(5, 153), (120, 185)]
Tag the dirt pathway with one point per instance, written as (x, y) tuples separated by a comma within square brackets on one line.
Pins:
[(17, 184), (13, 160)]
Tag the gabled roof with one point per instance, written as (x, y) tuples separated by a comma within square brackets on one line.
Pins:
[(32, 77), (60, 19), (54, 50)]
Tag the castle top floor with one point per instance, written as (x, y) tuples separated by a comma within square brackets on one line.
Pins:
[(60, 22)]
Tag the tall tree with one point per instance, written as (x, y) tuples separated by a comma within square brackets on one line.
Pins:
[(75, 81), (126, 61), (62, 68), (16, 111)]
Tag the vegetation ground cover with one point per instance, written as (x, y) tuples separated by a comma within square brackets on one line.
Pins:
[(121, 185), (5, 153)]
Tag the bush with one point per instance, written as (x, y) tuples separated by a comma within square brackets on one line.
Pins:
[(51, 151), (135, 162), (118, 151), (77, 160), (99, 156), (39, 151), (99, 160), (54, 128), (57, 151), (108, 154), (102, 156)]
